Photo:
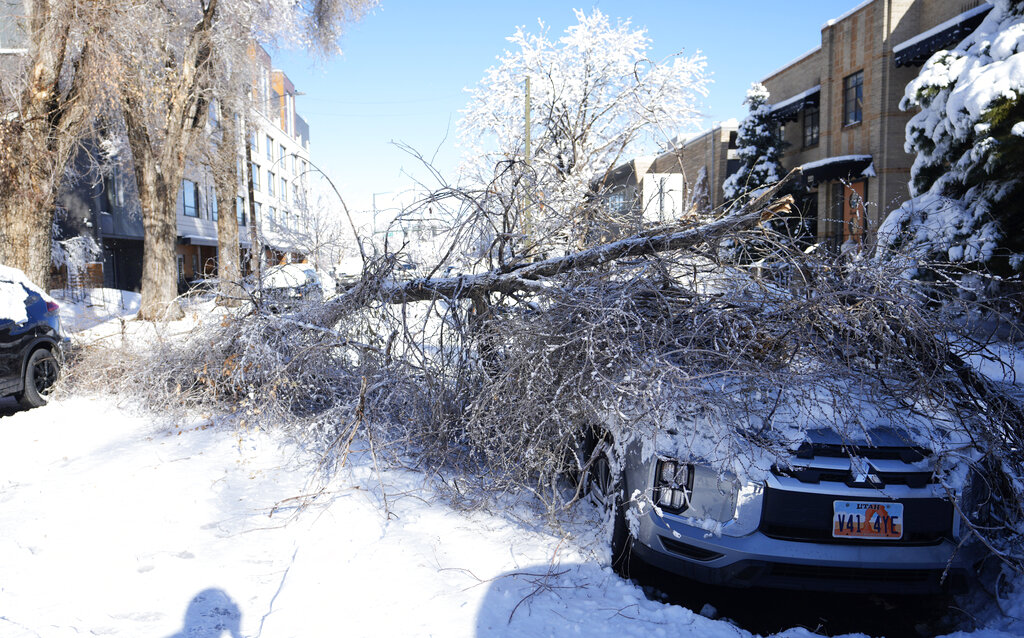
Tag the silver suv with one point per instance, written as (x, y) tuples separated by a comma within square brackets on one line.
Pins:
[(842, 516)]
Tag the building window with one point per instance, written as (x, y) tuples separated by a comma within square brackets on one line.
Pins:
[(811, 125), (271, 215), (270, 149), (190, 198), (617, 202), (295, 193), (280, 153), (284, 190), (255, 170), (214, 120), (240, 210), (213, 203), (255, 212), (294, 163), (253, 139), (181, 267), (853, 98), (270, 183)]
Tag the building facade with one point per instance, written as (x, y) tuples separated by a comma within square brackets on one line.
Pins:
[(104, 203), (661, 189), (838, 109)]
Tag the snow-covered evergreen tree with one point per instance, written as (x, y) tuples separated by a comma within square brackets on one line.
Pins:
[(967, 190), (759, 147)]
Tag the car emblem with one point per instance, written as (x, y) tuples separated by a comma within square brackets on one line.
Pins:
[(868, 478)]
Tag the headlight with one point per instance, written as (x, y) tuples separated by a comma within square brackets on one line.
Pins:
[(695, 491)]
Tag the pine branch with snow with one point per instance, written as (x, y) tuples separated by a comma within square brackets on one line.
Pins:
[(968, 199)]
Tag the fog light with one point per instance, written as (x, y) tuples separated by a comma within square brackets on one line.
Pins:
[(674, 484)]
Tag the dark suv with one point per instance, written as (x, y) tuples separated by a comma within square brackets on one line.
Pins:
[(31, 340)]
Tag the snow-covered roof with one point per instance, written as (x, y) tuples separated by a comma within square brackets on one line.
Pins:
[(780, 105), (792, 62), (839, 159), (200, 240), (847, 14), (729, 124), (839, 167), (952, 22)]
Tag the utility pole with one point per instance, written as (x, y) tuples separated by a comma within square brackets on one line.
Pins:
[(527, 217), (254, 247)]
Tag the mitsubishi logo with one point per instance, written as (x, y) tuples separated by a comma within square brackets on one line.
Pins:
[(867, 478)]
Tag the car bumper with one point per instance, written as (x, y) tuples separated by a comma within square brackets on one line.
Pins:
[(756, 560)]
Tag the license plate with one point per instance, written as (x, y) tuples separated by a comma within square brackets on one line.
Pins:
[(867, 519)]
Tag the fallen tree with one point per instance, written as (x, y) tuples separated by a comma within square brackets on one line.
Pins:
[(499, 374), (527, 276)]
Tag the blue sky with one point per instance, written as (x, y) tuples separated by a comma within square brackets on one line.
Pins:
[(402, 74)]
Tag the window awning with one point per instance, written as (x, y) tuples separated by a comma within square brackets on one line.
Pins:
[(917, 50), (786, 110), (197, 240), (842, 167)]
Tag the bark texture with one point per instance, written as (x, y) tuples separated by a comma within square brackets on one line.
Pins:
[(226, 181), (161, 133), (38, 139)]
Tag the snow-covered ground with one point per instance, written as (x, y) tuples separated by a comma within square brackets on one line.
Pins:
[(114, 523), (121, 523)]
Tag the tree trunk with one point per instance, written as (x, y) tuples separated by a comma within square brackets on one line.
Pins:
[(160, 155), (226, 180), (160, 232), (255, 250), (27, 204), (36, 144)]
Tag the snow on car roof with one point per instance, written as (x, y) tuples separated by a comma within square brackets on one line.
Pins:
[(288, 276), (13, 293)]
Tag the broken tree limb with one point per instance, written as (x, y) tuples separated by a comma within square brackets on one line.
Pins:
[(529, 276)]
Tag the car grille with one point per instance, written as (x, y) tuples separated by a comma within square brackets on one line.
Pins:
[(876, 467), (936, 579), (803, 516), (792, 512)]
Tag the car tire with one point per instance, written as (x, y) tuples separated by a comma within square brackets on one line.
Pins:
[(607, 490), (41, 373)]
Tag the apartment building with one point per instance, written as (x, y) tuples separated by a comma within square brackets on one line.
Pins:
[(106, 205), (838, 109), (279, 150)]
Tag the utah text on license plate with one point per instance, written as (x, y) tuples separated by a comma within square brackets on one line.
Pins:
[(867, 519)]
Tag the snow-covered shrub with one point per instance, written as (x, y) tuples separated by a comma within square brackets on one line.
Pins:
[(968, 196), (74, 253)]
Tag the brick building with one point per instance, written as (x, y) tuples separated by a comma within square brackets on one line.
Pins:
[(838, 107), (650, 190)]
